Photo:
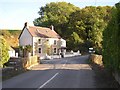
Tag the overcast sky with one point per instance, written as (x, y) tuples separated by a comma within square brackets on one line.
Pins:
[(14, 13)]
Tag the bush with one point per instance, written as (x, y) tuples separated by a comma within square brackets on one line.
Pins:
[(4, 55)]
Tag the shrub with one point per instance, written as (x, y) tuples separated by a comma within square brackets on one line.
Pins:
[(111, 41), (4, 55)]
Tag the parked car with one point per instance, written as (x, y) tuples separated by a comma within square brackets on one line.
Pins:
[(91, 50)]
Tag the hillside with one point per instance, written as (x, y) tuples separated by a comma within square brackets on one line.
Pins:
[(11, 36)]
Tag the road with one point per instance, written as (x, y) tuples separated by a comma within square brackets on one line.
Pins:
[(71, 72)]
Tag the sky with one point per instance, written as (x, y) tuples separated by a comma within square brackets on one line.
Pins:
[(14, 13)]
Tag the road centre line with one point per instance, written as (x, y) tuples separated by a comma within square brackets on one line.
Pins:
[(48, 81)]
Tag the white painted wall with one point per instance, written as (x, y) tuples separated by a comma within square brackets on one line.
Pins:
[(26, 38), (35, 41), (11, 53), (63, 44), (50, 42)]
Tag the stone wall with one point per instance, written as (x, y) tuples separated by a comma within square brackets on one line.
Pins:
[(97, 59), (30, 61)]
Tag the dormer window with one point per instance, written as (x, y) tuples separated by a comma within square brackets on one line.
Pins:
[(39, 41)]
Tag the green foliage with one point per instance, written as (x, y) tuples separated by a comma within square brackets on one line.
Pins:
[(84, 26), (25, 50), (111, 41), (28, 48), (56, 14), (75, 41), (89, 23), (4, 55)]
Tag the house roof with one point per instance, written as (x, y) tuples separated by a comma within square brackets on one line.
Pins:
[(42, 32)]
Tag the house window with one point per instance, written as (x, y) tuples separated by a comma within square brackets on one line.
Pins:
[(55, 42), (39, 41), (40, 50), (55, 50)]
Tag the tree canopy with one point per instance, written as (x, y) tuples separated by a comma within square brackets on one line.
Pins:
[(84, 26), (56, 14)]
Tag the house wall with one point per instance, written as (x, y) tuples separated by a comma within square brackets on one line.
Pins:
[(63, 44), (11, 53), (36, 45), (46, 43), (26, 38), (51, 40)]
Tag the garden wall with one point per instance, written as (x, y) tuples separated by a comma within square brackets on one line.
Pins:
[(97, 59), (30, 61)]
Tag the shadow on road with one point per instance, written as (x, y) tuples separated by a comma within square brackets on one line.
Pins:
[(67, 78)]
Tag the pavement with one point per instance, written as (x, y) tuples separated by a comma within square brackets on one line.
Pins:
[(70, 72)]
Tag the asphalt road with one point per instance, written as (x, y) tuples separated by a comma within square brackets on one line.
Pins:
[(73, 72)]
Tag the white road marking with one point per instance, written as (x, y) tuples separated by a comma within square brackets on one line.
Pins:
[(48, 81)]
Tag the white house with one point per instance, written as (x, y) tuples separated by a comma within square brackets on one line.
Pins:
[(11, 52), (43, 40)]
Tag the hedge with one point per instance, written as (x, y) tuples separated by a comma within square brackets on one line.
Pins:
[(111, 41)]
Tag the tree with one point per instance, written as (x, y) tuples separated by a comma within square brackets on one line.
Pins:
[(56, 14), (88, 23), (75, 41), (25, 50), (4, 55)]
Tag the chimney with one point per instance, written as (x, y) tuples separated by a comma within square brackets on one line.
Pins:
[(52, 27), (25, 25)]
